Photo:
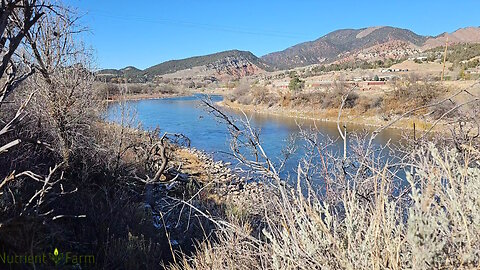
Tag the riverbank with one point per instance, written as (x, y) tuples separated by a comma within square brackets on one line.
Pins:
[(182, 207), (349, 116), (207, 189), (135, 97)]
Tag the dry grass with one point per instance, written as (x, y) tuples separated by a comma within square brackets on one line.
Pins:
[(411, 94), (436, 225)]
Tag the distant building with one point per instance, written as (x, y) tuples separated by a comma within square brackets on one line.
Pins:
[(473, 71), (282, 85), (316, 84), (388, 78), (376, 83), (388, 70)]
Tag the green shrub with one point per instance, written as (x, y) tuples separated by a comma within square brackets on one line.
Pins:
[(296, 84)]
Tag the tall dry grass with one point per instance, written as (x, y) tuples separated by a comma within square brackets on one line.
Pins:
[(433, 224)]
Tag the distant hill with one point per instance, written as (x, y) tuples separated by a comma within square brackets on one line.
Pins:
[(334, 45), (346, 45), (226, 61), (462, 35), (233, 63)]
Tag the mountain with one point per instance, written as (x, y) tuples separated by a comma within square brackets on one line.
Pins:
[(337, 44), (346, 45), (233, 63), (462, 35)]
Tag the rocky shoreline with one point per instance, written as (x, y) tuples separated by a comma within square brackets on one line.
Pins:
[(227, 181), (221, 192)]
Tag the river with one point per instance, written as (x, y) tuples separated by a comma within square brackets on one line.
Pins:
[(188, 116)]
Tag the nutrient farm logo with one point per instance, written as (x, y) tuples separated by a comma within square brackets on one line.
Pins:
[(56, 257)]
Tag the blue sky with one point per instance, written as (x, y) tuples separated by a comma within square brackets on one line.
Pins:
[(143, 33)]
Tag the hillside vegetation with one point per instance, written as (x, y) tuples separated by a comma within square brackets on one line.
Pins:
[(175, 65), (405, 94), (458, 52)]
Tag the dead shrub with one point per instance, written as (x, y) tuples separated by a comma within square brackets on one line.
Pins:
[(107, 90), (411, 94), (365, 104), (240, 92), (314, 98), (285, 99), (166, 89), (262, 95), (445, 108), (333, 98)]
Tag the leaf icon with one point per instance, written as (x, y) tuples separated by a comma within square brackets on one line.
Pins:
[(56, 257)]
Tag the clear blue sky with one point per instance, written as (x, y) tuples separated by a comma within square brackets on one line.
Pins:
[(143, 33)]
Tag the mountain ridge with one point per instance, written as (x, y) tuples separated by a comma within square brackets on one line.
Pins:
[(327, 48), (349, 43), (365, 44), (235, 63)]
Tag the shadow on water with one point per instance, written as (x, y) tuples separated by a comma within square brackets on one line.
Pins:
[(186, 115)]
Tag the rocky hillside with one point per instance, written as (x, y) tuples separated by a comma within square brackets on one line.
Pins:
[(462, 35), (395, 49), (232, 63), (366, 44), (340, 43)]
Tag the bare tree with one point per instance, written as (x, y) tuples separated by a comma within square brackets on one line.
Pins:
[(17, 19), (22, 22)]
